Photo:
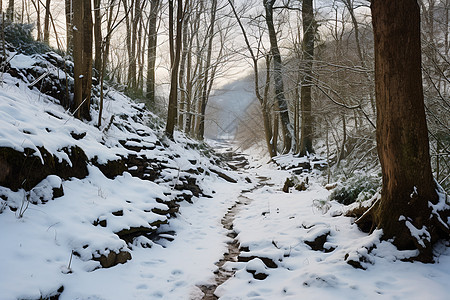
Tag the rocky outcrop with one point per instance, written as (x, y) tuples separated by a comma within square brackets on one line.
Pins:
[(28, 168)]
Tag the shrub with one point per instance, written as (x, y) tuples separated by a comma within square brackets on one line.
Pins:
[(19, 35), (357, 188)]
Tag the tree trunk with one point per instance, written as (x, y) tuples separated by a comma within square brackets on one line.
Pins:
[(183, 67), (173, 94), (306, 146), (77, 56), (38, 18), (286, 126), (408, 190), (188, 117), (87, 60), (10, 10), (82, 40), (47, 23), (69, 26), (206, 78), (271, 140), (151, 58), (263, 100), (98, 37)]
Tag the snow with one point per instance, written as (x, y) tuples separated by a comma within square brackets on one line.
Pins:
[(48, 244)]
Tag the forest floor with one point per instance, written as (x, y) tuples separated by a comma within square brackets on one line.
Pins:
[(175, 223)]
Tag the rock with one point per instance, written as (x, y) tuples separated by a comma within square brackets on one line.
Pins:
[(102, 223), (257, 268), (77, 136), (113, 258), (112, 168), (160, 211), (318, 243), (267, 261), (190, 184), (223, 175), (118, 213), (31, 171), (48, 189), (129, 234), (53, 295)]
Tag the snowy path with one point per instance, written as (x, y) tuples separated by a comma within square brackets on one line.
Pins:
[(171, 272), (273, 226), (222, 274)]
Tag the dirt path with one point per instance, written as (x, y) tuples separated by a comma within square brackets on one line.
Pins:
[(222, 274)]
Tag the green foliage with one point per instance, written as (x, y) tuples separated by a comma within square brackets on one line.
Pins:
[(356, 189), (19, 35)]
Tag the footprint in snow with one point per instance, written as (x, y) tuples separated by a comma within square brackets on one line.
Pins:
[(177, 272)]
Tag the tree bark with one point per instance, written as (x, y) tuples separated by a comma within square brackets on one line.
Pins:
[(173, 94), (408, 189), (69, 26), (183, 67), (306, 139), (286, 126), (87, 59), (98, 40), (47, 23), (77, 56), (38, 18), (151, 56), (82, 39), (10, 10)]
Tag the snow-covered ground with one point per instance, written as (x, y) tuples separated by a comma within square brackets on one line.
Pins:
[(38, 242), (277, 224)]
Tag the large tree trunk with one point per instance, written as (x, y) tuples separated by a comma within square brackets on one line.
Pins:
[(305, 91), (286, 126), (151, 56), (173, 94), (82, 40), (408, 191)]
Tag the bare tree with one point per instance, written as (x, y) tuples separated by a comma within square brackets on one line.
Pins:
[(151, 54), (306, 145), (265, 110), (206, 76), (175, 51), (286, 126)]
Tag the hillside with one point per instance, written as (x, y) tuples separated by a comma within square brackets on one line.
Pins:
[(76, 198)]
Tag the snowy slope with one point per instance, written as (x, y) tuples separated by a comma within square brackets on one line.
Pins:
[(75, 242)]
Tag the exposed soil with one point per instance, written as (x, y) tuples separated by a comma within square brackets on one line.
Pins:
[(222, 274)]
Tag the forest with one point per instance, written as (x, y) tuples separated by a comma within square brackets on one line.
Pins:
[(230, 149)]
